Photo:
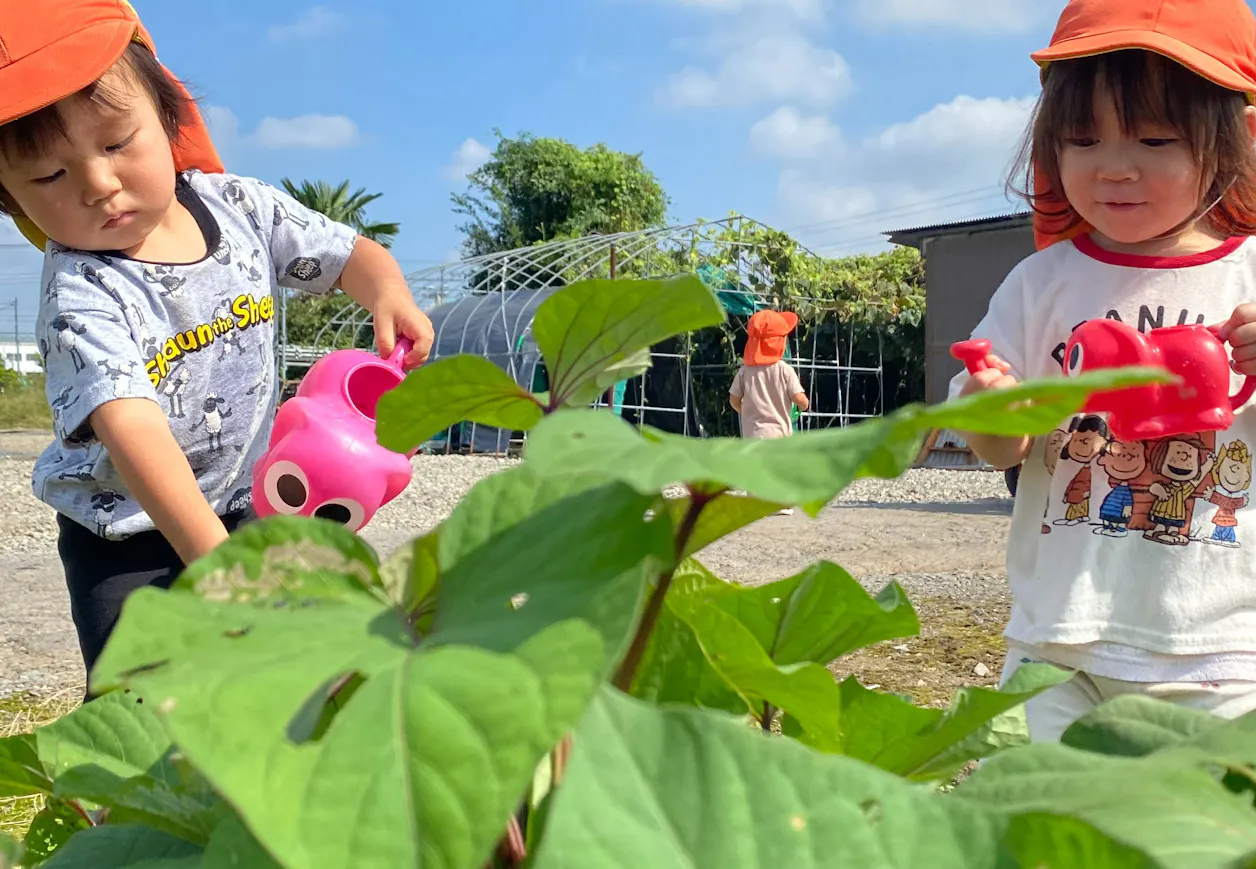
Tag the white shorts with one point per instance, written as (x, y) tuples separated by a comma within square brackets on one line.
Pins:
[(1050, 713)]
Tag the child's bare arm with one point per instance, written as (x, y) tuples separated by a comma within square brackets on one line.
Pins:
[(157, 474), (801, 401), (735, 401)]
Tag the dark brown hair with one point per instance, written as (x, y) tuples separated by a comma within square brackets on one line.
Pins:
[(30, 135), (1147, 89)]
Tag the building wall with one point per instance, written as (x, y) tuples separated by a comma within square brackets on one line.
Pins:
[(30, 362), (962, 271)]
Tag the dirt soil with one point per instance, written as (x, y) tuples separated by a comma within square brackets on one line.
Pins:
[(948, 557)]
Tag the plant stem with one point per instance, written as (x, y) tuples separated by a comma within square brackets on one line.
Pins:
[(768, 714), (558, 762), (632, 660)]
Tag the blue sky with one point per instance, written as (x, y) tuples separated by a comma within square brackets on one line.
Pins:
[(836, 119)]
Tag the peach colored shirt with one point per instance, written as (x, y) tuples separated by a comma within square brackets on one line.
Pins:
[(767, 397)]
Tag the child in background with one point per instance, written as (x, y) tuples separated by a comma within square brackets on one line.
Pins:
[(1141, 171), (156, 322), (766, 388)]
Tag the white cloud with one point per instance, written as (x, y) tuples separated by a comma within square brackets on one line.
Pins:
[(947, 163), (470, 155), (322, 132), (310, 132), (759, 67), (316, 22), (789, 134), (980, 15)]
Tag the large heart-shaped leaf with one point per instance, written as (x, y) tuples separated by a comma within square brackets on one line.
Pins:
[(125, 846), (448, 391), (692, 788), (928, 744), (286, 558), (436, 745), (10, 853), (232, 846), (1174, 811), (595, 326)]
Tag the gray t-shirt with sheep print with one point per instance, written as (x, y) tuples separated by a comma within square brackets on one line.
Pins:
[(197, 339)]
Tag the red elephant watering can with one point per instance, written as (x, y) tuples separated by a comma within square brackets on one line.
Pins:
[(324, 459), (1199, 401)]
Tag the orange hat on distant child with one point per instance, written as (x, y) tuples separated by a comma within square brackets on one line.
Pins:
[(1219, 45), (767, 331), (51, 49)]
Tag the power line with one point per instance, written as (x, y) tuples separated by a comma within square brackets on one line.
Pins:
[(987, 190)]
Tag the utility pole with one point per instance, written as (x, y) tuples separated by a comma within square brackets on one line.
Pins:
[(17, 344)]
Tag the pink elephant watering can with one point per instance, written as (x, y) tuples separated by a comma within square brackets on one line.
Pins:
[(324, 459)]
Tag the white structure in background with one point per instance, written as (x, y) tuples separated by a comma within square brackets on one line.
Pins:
[(24, 356)]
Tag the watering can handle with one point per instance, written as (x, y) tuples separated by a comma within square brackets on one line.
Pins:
[(403, 346), (1247, 390)]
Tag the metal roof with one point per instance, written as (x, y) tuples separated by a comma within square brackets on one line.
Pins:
[(915, 236)]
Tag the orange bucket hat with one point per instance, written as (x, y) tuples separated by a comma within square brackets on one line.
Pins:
[(1218, 42), (52, 49), (766, 332)]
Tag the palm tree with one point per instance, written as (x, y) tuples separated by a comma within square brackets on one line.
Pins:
[(343, 207)]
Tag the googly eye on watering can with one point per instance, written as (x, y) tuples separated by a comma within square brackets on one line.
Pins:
[(323, 459)]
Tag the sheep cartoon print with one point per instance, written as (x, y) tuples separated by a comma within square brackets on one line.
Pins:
[(196, 339)]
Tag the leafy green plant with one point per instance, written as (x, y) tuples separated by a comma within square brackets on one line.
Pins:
[(552, 677)]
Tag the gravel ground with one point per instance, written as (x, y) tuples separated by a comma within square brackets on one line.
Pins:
[(939, 533)]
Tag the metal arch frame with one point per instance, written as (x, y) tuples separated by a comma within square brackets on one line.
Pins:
[(558, 263)]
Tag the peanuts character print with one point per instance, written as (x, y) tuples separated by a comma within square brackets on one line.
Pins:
[(1172, 491)]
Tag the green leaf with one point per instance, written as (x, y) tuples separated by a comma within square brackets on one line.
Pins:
[(694, 789), (821, 615), (598, 575), (929, 744), (446, 392), (599, 326), (126, 846), (436, 747), (411, 577), (21, 772), (673, 668), (115, 752), (233, 847), (1180, 816), (1133, 725), (806, 691), (720, 517), (1034, 407), (808, 469), (1045, 841), (51, 828), (285, 558)]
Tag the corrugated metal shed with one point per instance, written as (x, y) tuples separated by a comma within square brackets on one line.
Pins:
[(915, 236)]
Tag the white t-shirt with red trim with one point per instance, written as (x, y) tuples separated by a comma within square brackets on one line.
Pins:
[(1129, 561)]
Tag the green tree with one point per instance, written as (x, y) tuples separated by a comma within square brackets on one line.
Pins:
[(344, 207), (536, 190)]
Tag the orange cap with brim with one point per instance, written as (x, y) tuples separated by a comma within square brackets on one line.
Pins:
[(766, 332), (52, 49), (1216, 39)]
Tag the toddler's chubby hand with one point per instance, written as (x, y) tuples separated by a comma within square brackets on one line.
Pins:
[(397, 315), (994, 377), (1240, 331)]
